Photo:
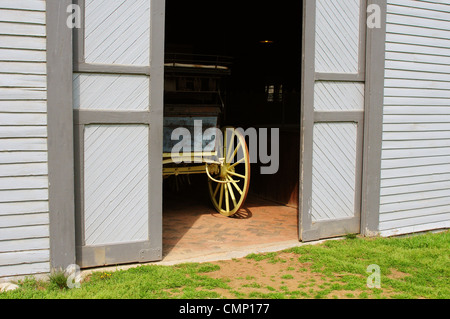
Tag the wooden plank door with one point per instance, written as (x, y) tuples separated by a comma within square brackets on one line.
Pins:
[(118, 115), (332, 117)]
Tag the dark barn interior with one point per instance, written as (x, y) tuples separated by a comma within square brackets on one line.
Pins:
[(263, 41)]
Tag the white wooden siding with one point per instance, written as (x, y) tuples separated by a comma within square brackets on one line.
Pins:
[(24, 217), (415, 176)]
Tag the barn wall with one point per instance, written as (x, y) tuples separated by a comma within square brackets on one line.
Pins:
[(24, 212), (415, 175)]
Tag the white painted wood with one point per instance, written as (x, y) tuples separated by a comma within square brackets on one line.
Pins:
[(23, 107), (34, 5), (25, 269), (24, 220), (22, 42), (23, 131), (111, 92), (24, 245), (23, 183), (23, 157), (334, 166), (32, 17), (117, 32), (24, 211), (415, 176), (14, 233), (337, 36), (23, 208), (27, 169), (24, 257), (116, 183), (338, 96)]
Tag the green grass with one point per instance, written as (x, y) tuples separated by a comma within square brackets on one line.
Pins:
[(411, 267), (423, 259)]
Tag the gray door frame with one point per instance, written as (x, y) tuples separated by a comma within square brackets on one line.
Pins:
[(141, 251), (60, 135), (371, 71)]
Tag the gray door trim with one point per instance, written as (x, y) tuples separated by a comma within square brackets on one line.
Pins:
[(309, 230), (151, 249), (60, 135), (374, 95)]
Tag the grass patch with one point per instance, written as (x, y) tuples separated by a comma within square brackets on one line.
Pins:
[(411, 267)]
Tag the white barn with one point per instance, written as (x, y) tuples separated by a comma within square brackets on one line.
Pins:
[(374, 125)]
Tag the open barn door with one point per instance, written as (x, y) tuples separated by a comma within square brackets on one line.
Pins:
[(332, 117), (118, 114)]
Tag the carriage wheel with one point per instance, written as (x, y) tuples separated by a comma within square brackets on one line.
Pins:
[(230, 180)]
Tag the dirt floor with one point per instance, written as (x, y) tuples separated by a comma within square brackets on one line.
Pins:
[(191, 226)]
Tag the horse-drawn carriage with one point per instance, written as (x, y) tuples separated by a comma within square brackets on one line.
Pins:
[(194, 105)]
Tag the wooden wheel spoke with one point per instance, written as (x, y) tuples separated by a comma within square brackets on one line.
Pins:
[(234, 153), (216, 190), (236, 186), (236, 174), (237, 163), (221, 196), (227, 200), (232, 194), (230, 145)]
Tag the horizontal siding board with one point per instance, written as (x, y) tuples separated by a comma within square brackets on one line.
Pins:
[(22, 107), (417, 187), (414, 228), (26, 169), (23, 208), (33, 5), (24, 245), (408, 197), (24, 257), (415, 171), (23, 157), (23, 93), (407, 206), (23, 80), (411, 180), (437, 5), (23, 144), (23, 220), (19, 55), (412, 20), (412, 162), (17, 16), (25, 269), (23, 131), (412, 221), (22, 42), (24, 182), (23, 195), (22, 29), (396, 215), (13, 233), (25, 119)]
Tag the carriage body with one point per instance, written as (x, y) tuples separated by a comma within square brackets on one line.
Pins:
[(193, 95)]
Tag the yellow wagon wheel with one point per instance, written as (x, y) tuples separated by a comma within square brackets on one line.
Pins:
[(229, 181)]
